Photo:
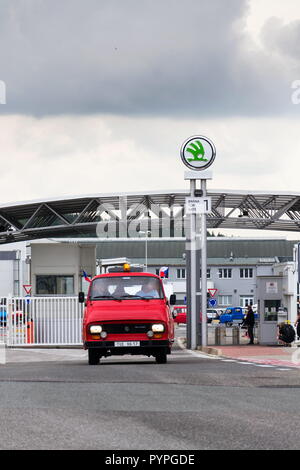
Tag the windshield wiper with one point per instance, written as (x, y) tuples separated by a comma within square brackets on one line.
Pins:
[(104, 297), (130, 296)]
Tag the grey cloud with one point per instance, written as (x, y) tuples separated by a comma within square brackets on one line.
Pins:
[(135, 57), (282, 38)]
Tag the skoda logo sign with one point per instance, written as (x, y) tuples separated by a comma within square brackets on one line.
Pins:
[(198, 153)]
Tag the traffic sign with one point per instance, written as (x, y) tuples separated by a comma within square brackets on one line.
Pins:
[(212, 292), (197, 205), (27, 288), (198, 152), (212, 302)]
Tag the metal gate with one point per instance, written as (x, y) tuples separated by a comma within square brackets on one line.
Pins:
[(40, 321)]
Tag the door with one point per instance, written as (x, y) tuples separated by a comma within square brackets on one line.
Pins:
[(268, 322)]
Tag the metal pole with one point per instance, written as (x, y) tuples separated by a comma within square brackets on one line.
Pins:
[(204, 269), (193, 274), (146, 254)]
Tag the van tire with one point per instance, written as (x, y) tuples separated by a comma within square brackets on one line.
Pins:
[(161, 358), (93, 357)]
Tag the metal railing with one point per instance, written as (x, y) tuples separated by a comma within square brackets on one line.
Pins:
[(37, 321)]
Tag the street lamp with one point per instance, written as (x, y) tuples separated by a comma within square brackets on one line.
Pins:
[(146, 232)]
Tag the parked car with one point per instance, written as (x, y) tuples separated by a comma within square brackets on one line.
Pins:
[(232, 315), (235, 315), (3, 318), (179, 314), (212, 314)]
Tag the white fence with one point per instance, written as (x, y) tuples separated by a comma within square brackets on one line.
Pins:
[(34, 321)]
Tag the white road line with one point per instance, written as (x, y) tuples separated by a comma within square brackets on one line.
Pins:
[(228, 360), (263, 365), (247, 363)]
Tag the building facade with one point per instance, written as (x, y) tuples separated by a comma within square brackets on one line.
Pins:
[(55, 267)]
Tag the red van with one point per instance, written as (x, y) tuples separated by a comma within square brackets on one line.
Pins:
[(127, 313)]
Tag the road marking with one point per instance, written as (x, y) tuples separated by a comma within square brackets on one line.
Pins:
[(263, 365), (228, 360), (247, 363)]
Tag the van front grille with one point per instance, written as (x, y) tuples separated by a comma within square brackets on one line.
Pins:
[(126, 328)]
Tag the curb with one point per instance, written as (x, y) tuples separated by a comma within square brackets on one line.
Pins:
[(210, 350), (205, 349)]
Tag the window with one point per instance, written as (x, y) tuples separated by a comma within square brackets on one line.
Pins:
[(225, 300), (180, 273), (246, 300), (54, 285), (271, 310), (246, 273), (225, 273)]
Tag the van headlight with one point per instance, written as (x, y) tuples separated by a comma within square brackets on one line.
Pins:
[(95, 329), (158, 328)]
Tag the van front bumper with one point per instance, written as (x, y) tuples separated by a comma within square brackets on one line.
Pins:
[(146, 347)]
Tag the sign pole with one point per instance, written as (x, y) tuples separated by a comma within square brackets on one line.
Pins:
[(193, 274), (204, 269), (197, 153)]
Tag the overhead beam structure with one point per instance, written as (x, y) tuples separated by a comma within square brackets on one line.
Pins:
[(163, 212)]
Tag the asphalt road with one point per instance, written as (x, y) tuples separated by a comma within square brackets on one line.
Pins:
[(54, 400)]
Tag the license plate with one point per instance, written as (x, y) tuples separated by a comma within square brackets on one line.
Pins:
[(122, 344)]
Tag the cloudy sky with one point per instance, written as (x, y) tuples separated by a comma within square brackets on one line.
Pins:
[(100, 94)]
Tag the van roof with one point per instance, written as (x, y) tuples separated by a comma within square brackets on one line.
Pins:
[(126, 273)]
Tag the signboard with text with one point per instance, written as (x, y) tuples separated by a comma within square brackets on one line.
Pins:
[(197, 205)]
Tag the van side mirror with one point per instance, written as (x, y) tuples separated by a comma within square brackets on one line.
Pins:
[(81, 297), (172, 299)]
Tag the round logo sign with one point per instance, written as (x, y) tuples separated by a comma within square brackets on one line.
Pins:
[(198, 152)]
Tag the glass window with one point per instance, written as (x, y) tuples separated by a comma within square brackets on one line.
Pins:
[(225, 300), (225, 273), (180, 274), (271, 308), (54, 285), (246, 273), (246, 300), (126, 287)]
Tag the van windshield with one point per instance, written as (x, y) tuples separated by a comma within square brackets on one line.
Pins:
[(126, 287)]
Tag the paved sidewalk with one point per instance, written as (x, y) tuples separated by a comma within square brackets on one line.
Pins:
[(273, 355)]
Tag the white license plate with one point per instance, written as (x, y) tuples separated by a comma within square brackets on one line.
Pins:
[(122, 344)]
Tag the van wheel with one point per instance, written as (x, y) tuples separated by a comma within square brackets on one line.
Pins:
[(93, 357), (161, 358)]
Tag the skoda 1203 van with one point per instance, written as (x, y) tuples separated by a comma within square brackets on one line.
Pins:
[(127, 313)]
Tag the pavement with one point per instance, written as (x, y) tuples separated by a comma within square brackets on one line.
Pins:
[(276, 355), (269, 355)]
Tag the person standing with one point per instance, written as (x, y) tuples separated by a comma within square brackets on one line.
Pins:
[(250, 322), (297, 324)]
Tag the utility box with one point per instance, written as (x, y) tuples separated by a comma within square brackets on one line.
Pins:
[(269, 308)]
